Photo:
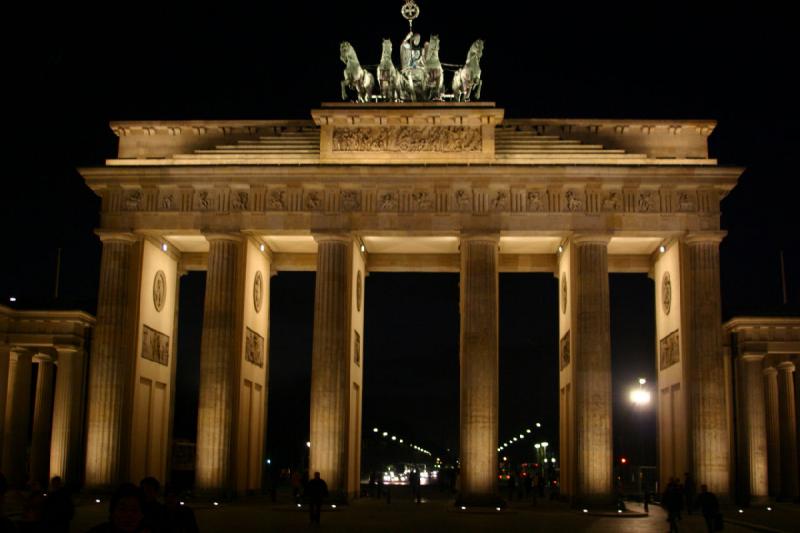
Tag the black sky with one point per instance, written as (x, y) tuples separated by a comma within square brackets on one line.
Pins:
[(71, 70)]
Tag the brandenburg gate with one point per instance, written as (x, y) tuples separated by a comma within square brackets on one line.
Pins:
[(423, 187)]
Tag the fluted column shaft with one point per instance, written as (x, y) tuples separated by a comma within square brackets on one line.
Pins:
[(18, 408), (330, 360), (753, 424), (479, 368), (788, 430), (708, 414), (219, 355), (5, 354), (592, 377), (773, 431), (42, 423), (110, 366), (65, 443)]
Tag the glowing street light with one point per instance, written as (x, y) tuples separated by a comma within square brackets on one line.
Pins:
[(640, 396)]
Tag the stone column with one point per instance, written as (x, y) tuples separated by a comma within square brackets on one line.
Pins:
[(111, 363), (330, 361), (773, 432), (18, 408), (5, 354), (219, 355), (592, 371), (65, 443), (705, 372), (787, 431), (753, 426), (42, 423), (479, 369)]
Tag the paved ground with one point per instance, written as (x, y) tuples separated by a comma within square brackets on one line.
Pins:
[(438, 515)]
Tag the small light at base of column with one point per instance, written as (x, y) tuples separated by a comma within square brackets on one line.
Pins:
[(463, 508), (586, 510), (497, 508), (97, 500), (333, 506), (769, 508), (216, 504)]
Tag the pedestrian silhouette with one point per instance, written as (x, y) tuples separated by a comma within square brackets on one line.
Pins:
[(316, 491), (709, 507)]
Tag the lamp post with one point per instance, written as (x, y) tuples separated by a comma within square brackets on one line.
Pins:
[(640, 398)]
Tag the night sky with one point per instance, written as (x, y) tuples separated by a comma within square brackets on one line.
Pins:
[(71, 71)]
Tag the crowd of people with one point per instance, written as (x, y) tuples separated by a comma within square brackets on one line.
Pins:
[(682, 496), (132, 509)]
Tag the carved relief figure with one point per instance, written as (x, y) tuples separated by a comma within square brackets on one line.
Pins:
[(536, 201), (408, 139), (203, 200), (254, 348), (647, 201), (611, 202), (685, 202), (155, 346), (500, 201), (422, 200), (133, 200), (351, 200), (666, 293), (463, 199), (313, 200), (239, 201), (669, 351), (573, 201), (564, 347), (159, 290), (388, 201), (167, 201), (277, 200)]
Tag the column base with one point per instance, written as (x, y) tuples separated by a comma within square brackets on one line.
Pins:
[(480, 500)]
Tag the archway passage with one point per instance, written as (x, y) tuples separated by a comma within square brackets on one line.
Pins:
[(410, 374)]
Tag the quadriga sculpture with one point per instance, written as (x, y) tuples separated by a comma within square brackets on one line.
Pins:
[(467, 79), (394, 86), (356, 78)]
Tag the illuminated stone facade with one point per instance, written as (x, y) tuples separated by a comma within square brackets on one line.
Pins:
[(399, 187)]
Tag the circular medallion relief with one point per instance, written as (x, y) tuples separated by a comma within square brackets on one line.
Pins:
[(258, 291), (359, 291), (563, 292), (666, 293), (159, 290)]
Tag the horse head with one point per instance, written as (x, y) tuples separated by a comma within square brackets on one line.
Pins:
[(476, 49), (387, 49), (347, 53)]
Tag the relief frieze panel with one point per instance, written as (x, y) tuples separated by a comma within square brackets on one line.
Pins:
[(669, 350), (574, 201), (408, 139), (155, 346), (388, 201)]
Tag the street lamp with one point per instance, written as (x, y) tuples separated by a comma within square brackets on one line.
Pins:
[(641, 396)]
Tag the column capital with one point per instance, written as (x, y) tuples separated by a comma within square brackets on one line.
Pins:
[(332, 236), (486, 236), (786, 366), (752, 357), (770, 371), (66, 348), (590, 238), (117, 236), (222, 236), (704, 237)]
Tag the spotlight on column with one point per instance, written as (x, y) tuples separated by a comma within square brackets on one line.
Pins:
[(164, 247), (216, 504), (182, 503), (262, 247), (769, 508), (741, 511), (463, 508), (497, 508), (97, 500), (333, 506), (560, 248), (585, 510), (662, 249), (623, 460), (363, 248), (308, 444)]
